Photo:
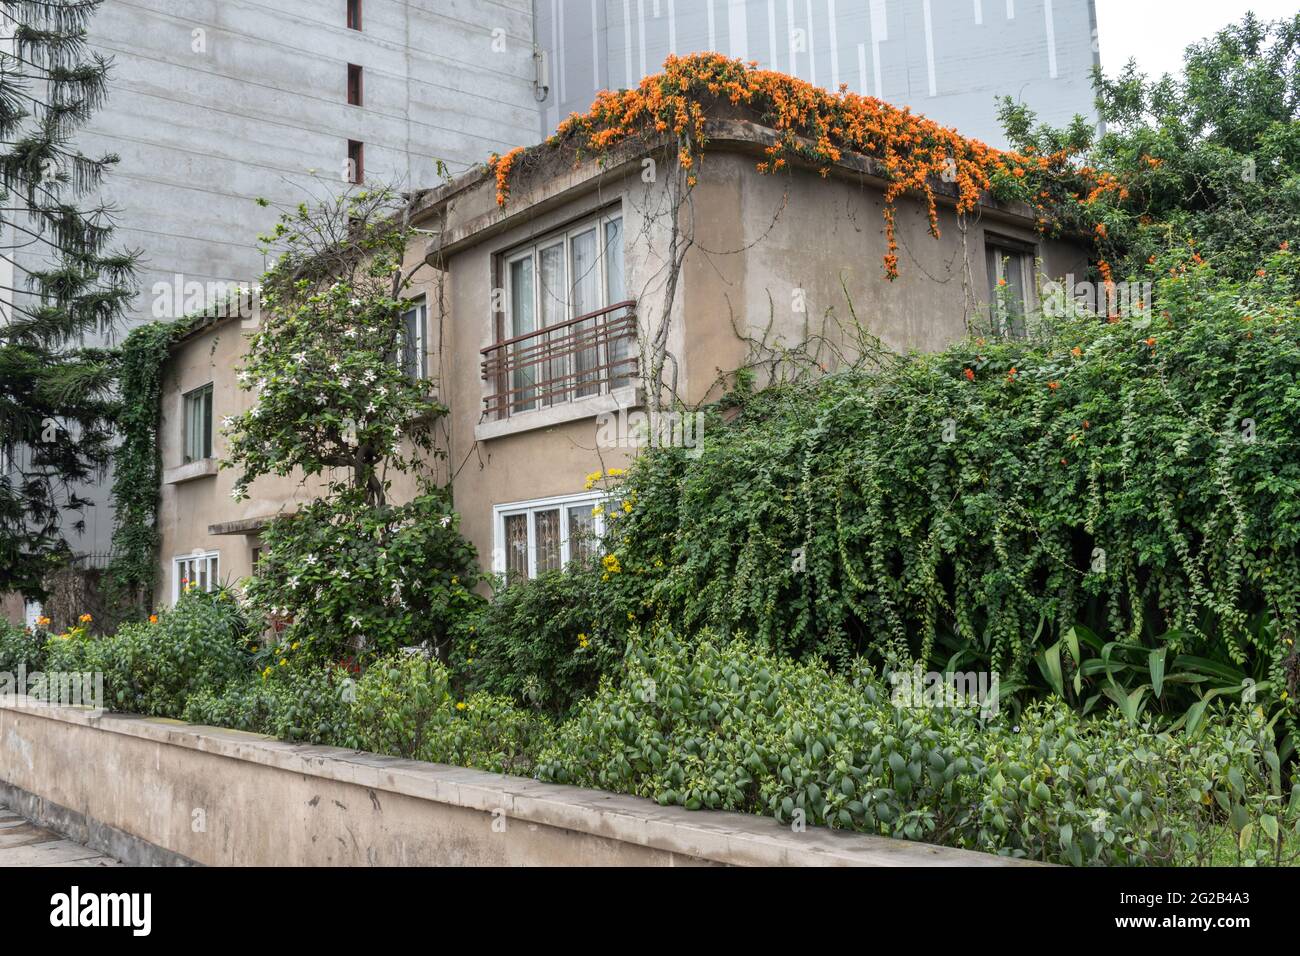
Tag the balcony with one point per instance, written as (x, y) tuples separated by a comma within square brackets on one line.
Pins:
[(584, 357)]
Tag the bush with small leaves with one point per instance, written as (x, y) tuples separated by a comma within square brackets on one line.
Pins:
[(310, 705), (544, 642), (404, 707), (21, 648), (728, 725)]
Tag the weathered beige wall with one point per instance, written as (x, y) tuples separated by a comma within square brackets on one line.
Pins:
[(227, 798)]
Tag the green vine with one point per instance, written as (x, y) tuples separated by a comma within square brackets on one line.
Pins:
[(138, 462)]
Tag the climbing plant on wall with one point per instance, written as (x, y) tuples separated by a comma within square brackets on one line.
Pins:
[(137, 462)]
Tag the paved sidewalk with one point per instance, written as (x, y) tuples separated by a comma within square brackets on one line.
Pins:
[(25, 844)]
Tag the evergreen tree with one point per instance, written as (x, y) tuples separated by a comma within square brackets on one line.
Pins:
[(56, 402)]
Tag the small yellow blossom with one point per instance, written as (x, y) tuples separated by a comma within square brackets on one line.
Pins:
[(283, 662), (610, 561), (627, 506), (460, 705), (582, 641), (85, 619), (153, 618)]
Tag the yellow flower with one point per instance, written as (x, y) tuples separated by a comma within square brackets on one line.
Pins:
[(616, 472), (85, 619), (598, 510), (610, 561), (283, 662), (266, 673), (627, 506), (153, 618), (455, 580), (460, 705), (582, 640), (293, 646)]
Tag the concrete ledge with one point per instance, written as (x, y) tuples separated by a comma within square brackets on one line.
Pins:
[(590, 407), (190, 471), (221, 797)]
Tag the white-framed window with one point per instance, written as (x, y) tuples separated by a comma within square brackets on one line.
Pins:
[(411, 349), (574, 272), (1011, 283), (533, 537), (197, 416), (197, 570)]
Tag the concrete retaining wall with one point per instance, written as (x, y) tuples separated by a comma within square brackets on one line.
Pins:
[(164, 792)]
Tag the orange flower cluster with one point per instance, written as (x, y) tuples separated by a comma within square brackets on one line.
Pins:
[(812, 125)]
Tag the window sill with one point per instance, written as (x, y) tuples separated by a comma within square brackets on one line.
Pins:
[(620, 398), (191, 471)]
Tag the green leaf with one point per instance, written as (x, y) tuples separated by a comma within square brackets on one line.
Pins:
[(1156, 663)]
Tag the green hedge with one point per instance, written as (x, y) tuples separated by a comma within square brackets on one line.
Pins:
[(544, 642), (1057, 508), (728, 725), (20, 648), (153, 668)]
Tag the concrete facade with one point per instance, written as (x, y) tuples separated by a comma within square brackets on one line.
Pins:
[(762, 243), (210, 791)]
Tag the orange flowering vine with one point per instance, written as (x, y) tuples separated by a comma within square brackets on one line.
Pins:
[(812, 125)]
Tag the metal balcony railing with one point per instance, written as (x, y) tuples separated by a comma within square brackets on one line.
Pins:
[(580, 357)]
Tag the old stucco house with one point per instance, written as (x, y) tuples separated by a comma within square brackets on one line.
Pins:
[(535, 319)]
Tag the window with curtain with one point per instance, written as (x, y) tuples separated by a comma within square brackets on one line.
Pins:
[(564, 276), (533, 537), (196, 571), (1011, 282), (197, 414)]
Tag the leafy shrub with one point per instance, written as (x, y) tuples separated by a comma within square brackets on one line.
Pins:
[(731, 726), (152, 668), (544, 642), (404, 707), (21, 647), (338, 570), (1135, 476), (312, 705)]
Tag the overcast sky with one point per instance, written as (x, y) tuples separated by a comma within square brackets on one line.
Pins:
[(1155, 32)]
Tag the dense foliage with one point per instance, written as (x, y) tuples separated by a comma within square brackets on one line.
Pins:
[(404, 706), (544, 642), (154, 667), (1137, 477), (1211, 156), (733, 726), (67, 283), (706, 723), (324, 366), (356, 580)]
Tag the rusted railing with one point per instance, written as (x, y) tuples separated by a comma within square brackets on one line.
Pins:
[(577, 358)]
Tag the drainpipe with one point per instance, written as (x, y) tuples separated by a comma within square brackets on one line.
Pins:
[(541, 81)]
